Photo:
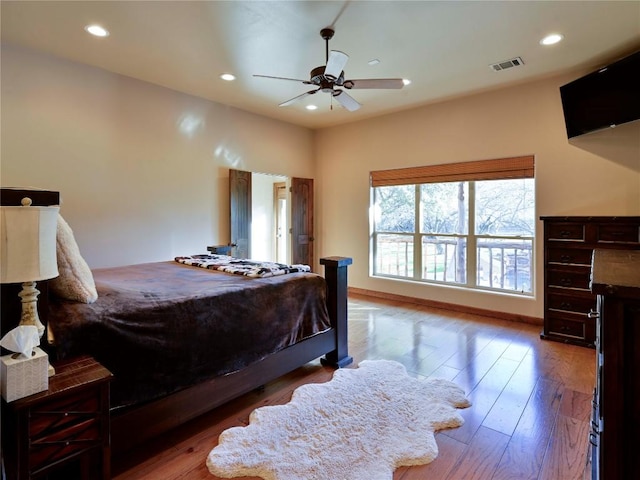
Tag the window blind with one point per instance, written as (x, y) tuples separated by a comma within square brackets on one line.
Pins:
[(496, 169)]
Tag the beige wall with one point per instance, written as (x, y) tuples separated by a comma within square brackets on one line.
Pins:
[(595, 175), (143, 170)]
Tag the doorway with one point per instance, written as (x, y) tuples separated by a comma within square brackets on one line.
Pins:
[(281, 229), (268, 242), (256, 212)]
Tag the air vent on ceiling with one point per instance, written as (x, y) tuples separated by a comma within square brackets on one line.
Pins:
[(514, 62)]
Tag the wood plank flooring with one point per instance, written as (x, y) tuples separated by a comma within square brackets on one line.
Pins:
[(531, 398)]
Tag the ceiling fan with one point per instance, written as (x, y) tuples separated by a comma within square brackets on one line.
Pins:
[(327, 77)]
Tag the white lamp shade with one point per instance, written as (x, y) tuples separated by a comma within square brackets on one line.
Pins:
[(28, 243)]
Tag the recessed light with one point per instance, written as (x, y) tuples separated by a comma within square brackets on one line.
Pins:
[(406, 81), (551, 39), (97, 30), (228, 77), (311, 107)]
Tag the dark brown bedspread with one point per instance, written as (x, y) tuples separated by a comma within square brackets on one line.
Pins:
[(160, 327)]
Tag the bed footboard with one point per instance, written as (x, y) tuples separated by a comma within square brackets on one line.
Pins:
[(335, 273)]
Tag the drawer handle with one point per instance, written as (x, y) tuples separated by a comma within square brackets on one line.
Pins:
[(565, 306), (593, 314), (565, 258), (565, 233), (593, 439), (565, 282)]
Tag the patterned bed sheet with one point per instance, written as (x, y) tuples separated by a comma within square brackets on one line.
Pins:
[(238, 266)]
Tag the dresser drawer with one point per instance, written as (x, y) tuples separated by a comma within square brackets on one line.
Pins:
[(566, 231), (63, 444), (58, 414), (569, 256), (576, 279), (567, 328), (570, 303), (618, 233)]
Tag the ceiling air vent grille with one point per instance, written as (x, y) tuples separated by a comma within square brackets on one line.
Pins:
[(514, 62)]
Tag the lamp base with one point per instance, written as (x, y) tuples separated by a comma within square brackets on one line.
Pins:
[(29, 297)]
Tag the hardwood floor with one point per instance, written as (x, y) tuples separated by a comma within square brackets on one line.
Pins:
[(531, 398)]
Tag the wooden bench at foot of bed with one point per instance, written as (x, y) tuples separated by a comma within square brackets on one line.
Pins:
[(138, 424)]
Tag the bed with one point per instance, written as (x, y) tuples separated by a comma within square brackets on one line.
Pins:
[(181, 340)]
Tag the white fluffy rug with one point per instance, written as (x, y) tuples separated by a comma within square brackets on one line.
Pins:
[(361, 425)]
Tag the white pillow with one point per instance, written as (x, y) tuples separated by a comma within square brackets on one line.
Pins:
[(76, 280)]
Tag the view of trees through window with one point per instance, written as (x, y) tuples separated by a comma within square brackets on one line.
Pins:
[(477, 233)]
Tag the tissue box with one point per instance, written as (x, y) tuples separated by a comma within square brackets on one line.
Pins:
[(24, 376)]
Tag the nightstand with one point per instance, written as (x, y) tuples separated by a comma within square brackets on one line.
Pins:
[(70, 421), (220, 249)]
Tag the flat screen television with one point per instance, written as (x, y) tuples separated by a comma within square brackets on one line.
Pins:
[(605, 98)]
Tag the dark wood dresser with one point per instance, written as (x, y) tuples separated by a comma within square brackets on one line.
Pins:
[(568, 246), (615, 418)]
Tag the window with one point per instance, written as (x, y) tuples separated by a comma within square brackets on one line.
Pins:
[(470, 224)]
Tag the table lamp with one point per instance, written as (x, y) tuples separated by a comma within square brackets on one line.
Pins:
[(28, 253)]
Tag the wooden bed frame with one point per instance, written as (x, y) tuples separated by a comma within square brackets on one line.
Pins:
[(143, 422), (134, 425)]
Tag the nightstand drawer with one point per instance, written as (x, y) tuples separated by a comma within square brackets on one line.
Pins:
[(52, 416), (64, 444)]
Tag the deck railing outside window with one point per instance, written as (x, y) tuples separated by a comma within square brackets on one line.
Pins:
[(501, 263)]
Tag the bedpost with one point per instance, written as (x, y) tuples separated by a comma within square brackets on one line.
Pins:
[(335, 273)]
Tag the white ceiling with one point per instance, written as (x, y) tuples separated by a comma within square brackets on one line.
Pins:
[(443, 47)]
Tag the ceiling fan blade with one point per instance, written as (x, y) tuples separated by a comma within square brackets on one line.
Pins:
[(346, 100), (307, 82), (373, 83), (335, 63), (295, 99)]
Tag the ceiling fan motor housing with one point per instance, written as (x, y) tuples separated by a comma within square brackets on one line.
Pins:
[(325, 82)]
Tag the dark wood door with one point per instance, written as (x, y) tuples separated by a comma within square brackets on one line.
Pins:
[(240, 214), (302, 221)]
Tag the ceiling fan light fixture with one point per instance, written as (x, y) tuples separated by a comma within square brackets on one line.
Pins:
[(229, 77), (406, 81), (311, 107), (373, 62)]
